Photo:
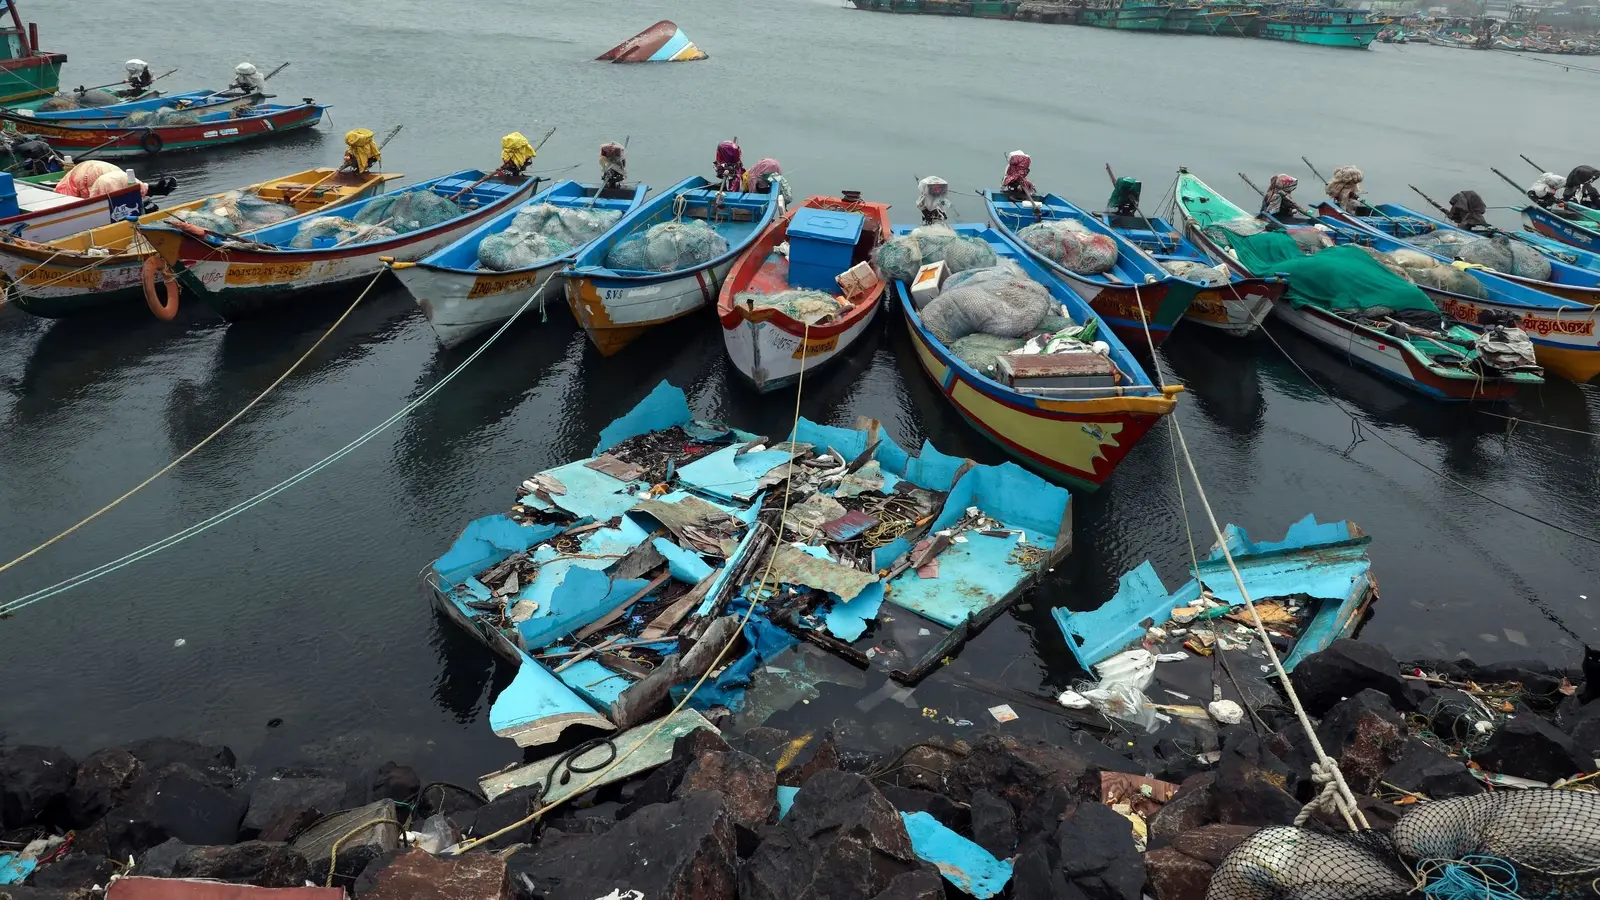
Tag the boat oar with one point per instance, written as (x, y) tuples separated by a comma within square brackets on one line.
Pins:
[(1530, 162), (99, 146), (1314, 171), (1110, 174), (280, 68), (1431, 202), (101, 87), (473, 186), (1507, 179)]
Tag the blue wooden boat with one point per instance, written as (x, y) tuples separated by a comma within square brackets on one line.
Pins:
[(1072, 435), (1136, 280), (1581, 231), (1554, 313), (1322, 566), (196, 102), (461, 298), (616, 306), (590, 557)]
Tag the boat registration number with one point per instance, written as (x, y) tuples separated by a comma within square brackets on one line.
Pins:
[(620, 293), (62, 278), (267, 273), (488, 285), (815, 346)]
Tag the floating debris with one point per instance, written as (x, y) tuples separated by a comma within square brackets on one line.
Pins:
[(662, 42)]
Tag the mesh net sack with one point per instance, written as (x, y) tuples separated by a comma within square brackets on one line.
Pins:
[(95, 98), (1443, 242), (1310, 240), (1197, 272), (1244, 226), (59, 102), (1288, 863), (165, 115), (511, 249), (408, 211), (997, 300), (1504, 255), (983, 351), (81, 178), (1070, 244), (337, 231), (899, 258), (234, 212), (668, 247), (1447, 278), (800, 305), (1551, 838), (574, 226)]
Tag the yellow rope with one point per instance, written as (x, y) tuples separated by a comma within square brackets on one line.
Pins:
[(333, 854), (208, 438), (755, 596)]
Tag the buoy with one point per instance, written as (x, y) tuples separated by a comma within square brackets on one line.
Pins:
[(662, 42)]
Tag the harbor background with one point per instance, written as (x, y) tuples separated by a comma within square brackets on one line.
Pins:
[(310, 609)]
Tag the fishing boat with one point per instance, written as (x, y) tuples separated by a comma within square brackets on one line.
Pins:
[(1567, 223), (1075, 429), (1135, 282), (30, 74), (615, 306), (91, 271), (195, 102), (1558, 314), (462, 298), (1323, 26), (1445, 365), (1314, 587), (113, 140), (240, 276), (1575, 272), (1225, 19), (38, 213), (1237, 307), (808, 249), (982, 9), (1127, 15)]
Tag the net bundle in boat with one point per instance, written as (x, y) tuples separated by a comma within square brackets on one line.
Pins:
[(1068, 243), (1197, 271), (999, 300), (543, 232), (166, 115), (668, 247), (86, 100), (408, 211), (234, 212), (800, 305), (899, 258), (1422, 269)]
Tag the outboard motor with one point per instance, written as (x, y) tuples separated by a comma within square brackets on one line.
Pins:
[(1015, 185), (729, 166), (613, 165), (933, 199), (1125, 194)]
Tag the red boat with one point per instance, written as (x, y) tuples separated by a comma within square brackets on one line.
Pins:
[(215, 129)]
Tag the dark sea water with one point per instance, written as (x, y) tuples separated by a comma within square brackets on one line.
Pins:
[(309, 608)]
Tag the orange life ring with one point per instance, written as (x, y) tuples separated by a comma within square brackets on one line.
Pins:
[(154, 268)]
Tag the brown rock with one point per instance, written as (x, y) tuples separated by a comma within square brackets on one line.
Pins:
[(805, 756), (1171, 875), (1211, 843), (1020, 771), (418, 875), (925, 766), (1190, 808), (750, 787), (287, 823)]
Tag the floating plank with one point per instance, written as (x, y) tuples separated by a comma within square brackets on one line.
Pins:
[(638, 748)]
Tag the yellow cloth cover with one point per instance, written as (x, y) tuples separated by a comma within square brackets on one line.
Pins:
[(360, 150), (515, 149)]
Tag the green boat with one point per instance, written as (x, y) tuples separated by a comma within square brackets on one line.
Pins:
[(1128, 15), (1226, 19), (27, 74), (981, 9), (1323, 27)]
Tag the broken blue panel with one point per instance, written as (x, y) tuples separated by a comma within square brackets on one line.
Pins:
[(1097, 634), (571, 595), (973, 576), (487, 541), (594, 682), (786, 799), (536, 707), (1303, 533), (613, 543), (13, 870), (969, 867), (766, 642), (663, 407), (684, 565), (722, 574), (1007, 493), (848, 621), (729, 474), (591, 495)]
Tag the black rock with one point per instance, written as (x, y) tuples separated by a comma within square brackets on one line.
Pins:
[(21, 892), (1036, 876), (950, 814), (681, 850), (396, 782), (261, 863), (597, 819), (269, 798), (925, 766), (1247, 794), (1454, 716), (73, 871), (994, 824), (805, 756), (448, 799), (1363, 734), (288, 822), (1584, 727), (1043, 816), (174, 802), (35, 784), (1193, 806), (1528, 747), (1540, 679), (362, 835), (1098, 854), (1425, 770), (841, 839), (503, 811), (103, 780), (1344, 669), (1212, 843), (1176, 876), (214, 761), (749, 786), (157, 862), (1020, 771), (1278, 755), (659, 785), (918, 884)]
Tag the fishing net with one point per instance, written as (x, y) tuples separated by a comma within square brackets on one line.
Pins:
[(668, 247), (1444, 242), (899, 258), (543, 232), (335, 231), (165, 115), (1347, 280), (1310, 239), (86, 100), (1502, 254), (983, 351), (1288, 863), (1550, 837), (998, 300), (234, 212), (805, 306), (1446, 278), (1244, 225), (408, 211), (1070, 244), (1199, 273)]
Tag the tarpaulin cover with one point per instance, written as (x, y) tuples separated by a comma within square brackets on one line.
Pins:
[(766, 642), (1347, 278)]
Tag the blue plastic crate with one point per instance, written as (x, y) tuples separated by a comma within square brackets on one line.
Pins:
[(821, 244)]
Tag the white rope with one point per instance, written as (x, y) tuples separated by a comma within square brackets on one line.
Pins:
[(1324, 767)]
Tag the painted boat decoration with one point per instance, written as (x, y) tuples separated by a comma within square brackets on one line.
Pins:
[(243, 275), (766, 343), (661, 42), (1070, 434), (1442, 365), (1559, 322), (39, 213), (196, 102), (89, 271), (1319, 574), (30, 75), (1117, 296), (616, 306), (215, 129), (593, 578), (1237, 308), (461, 298), (1579, 230)]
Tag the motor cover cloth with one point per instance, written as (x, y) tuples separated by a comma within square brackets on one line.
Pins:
[(515, 151), (360, 150)]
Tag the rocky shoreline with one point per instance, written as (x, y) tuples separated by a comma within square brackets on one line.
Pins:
[(768, 815)]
